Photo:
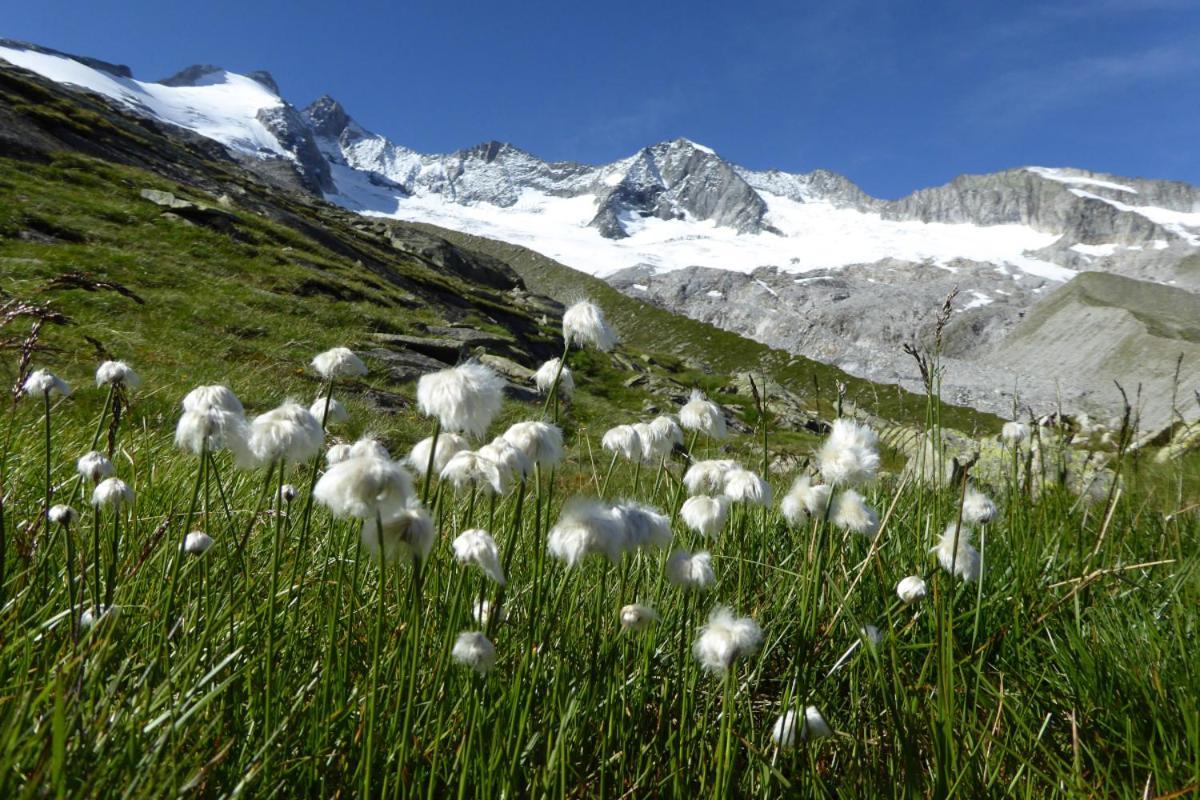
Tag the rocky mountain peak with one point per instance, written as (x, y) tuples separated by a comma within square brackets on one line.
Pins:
[(327, 116), (194, 75)]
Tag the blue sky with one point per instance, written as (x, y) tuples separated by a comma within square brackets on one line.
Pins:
[(895, 95)]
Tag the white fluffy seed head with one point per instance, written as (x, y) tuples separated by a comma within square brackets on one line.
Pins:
[(705, 515), (471, 468), (513, 462), (94, 466), (812, 726), (804, 500), (911, 589), (339, 362), (724, 639), (586, 527), (963, 561), (851, 512), (363, 487), (92, 616), (667, 433), (850, 455), (204, 398), (544, 378), (476, 546), (691, 570), (112, 492), (644, 527), (584, 324), (369, 448), (708, 477), (977, 508), (196, 543), (703, 416), (287, 433), (112, 373), (464, 399), (1015, 433), (447, 445), (335, 415), (62, 514), (407, 532), (482, 611), (623, 440), (541, 442), (213, 429), (636, 617), (43, 382), (337, 454), (744, 486), (473, 649), (288, 492), (870, 635)]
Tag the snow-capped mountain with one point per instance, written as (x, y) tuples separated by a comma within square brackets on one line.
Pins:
[(807, 262)]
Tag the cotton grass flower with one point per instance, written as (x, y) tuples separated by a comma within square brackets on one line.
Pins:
[(197, 543), (470, 468), (584, 324), (708, 477), (541, 442), (482, 612), (850, 455), (339, 362), (43, 383), (288, 492), (544, 378), (448, 444), (112, 492), (514, 464), (337, 454), (744, 486), (407, 531), (635, 617), (1014, 433), (368, 447), (364, 487), (977, 507), (705, 515), (94, 466), (805, 499), (473, 649), (851, 512), (644, 526), (911, 589), (812, 726), (691, 570), (62, 514), (870, 635), (287, 433), (624, 441), (117, 373), (93, 616), (702, 416), (204, 398), (212, 430), (464, 399), (965, 561), (586, 527), (725, 639), (336, 414), (477, 547), (666, 433)]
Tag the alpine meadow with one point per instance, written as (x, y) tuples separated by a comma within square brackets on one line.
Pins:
[(321, 477)]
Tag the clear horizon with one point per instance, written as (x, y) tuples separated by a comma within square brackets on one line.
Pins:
[(895, 101)]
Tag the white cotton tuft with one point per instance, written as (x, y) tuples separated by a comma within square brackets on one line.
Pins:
[(541, 442), (871, 635), (369, 448), (470, 468), (62, 514), (805, 500), (448, 444), (644, 527), (708, 477), (337, 454), (287, 433), (977, 508), (196, 543), (407, 531), (724, 639), (94, 466), (965, 561), (288, 492), (43, 382), (584, 324), (1015, 433), (850, 455), (204, 398), (213, 429), (112, 373), (544, 379), (744, 486), (473, 649), (636, 617), (92, 616), (851, 512), (514, 464), (112, 492), (464, 399), (691, 570), (335, 415), (477, 547), (703, 416), (363, 487), (911, 589), (623, 440), (705, 515), (482, 612), (339, 362), (586, 527)]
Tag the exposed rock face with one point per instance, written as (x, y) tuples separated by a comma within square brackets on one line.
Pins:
[(293, 133)]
